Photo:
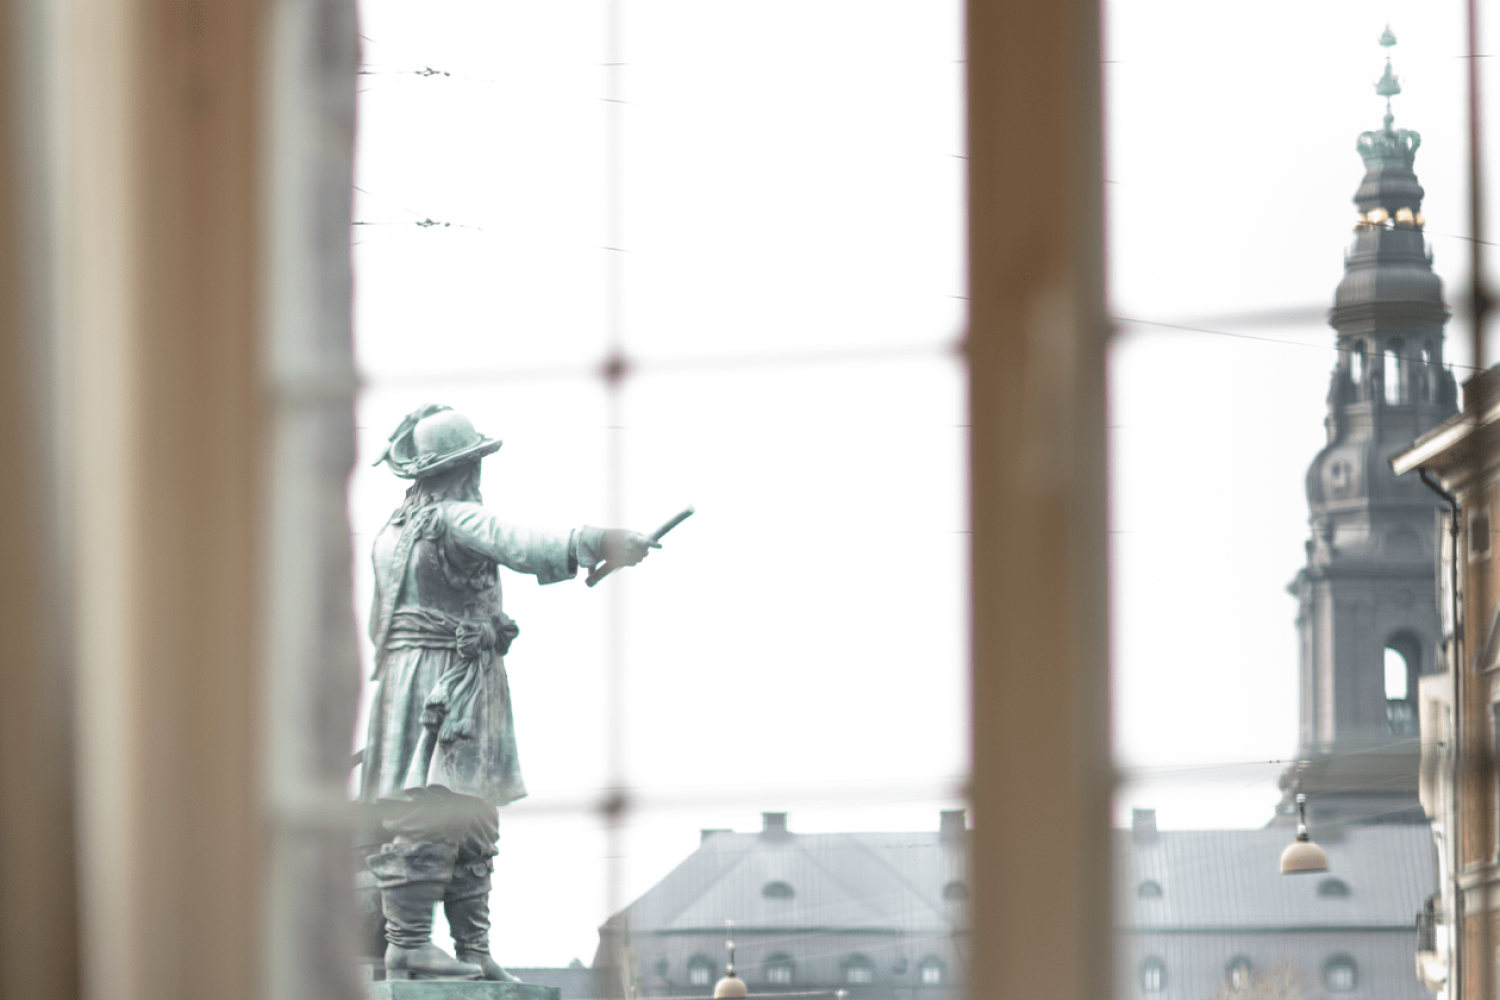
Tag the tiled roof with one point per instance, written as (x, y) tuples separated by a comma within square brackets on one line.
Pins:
[(1229, 879), (853, 881)]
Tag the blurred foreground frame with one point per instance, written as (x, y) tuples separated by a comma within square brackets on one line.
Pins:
[(177, 660)]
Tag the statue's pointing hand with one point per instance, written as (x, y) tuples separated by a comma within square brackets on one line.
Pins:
[(619, 547), (623, 547)]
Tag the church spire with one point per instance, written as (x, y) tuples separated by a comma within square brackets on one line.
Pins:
[(1390, 190), (1368, 614), (1388, 85)]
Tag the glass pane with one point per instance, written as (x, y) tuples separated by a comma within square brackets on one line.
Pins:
[(762, 209), (793, 189), (502, 148), (1277, 628), (814, 487), (550, 473)]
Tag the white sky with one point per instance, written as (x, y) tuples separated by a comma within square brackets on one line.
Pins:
[(792, 195)]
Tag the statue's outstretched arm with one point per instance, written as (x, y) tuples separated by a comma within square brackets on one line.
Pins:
[(539, 552)]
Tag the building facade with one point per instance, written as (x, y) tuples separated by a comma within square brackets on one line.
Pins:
[(875, 915), (1205, 913), (1461, 709)]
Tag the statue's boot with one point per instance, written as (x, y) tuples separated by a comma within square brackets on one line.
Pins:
[(467, 905), (413, 877)]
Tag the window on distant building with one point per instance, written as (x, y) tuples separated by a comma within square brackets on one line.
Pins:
[(1402, 666), (931, 971), (777, 890), (1357, 368), (1395, 372), (1479, 532), (1153, 975), (780, 968), (1149, 890), (1238, 972), (1335, 887), (955, 890), (701, 970), (859, 969), (1338, 974), (1395, 675)]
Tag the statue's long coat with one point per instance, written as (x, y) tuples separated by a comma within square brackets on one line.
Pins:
[(442, 557)]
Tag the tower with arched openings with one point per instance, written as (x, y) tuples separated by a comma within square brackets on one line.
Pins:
[(1368, 621)]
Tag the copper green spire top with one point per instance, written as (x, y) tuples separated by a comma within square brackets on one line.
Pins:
[(1389, 84), (1390, 187)]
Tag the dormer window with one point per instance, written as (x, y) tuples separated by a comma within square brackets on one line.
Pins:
[(1334, 888), (777, 890)]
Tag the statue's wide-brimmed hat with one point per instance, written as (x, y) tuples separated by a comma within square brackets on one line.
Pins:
[(434, 438)]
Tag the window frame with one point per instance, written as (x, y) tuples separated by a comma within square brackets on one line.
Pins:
[(1478, 524), (861, 964), (701, 963), (778, 962), (1336, 965), (1153, 975)]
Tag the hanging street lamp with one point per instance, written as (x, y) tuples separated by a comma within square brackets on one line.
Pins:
[(1302, 856)]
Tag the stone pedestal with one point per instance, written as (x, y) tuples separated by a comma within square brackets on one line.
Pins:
[(447, 989)]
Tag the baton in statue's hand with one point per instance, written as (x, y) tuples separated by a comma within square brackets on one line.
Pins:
[(602, 570)]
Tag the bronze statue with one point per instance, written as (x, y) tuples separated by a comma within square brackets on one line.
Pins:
[(441, 753)]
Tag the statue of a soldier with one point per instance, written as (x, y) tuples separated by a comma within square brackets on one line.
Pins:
[(441, 753)]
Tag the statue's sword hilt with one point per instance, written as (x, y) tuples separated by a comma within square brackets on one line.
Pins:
[(602, 570)]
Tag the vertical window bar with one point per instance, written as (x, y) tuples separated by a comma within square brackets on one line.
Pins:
[(614, 372)]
